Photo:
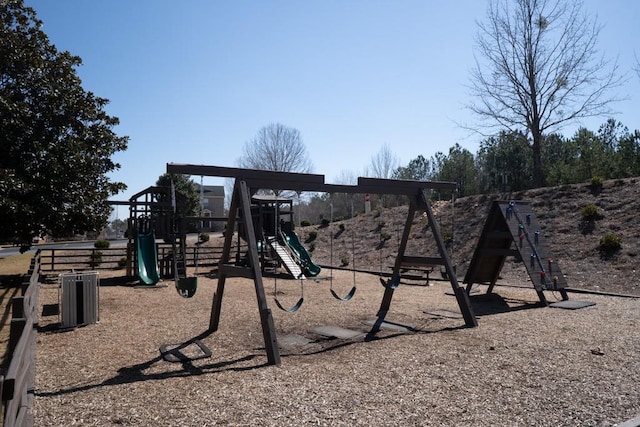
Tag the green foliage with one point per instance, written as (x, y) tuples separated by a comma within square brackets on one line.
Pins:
[(596, 182), (102, 244), (57, 140), (447, 237), (610, 243), (95, 259), (187, 193), (344, 260), (459, 167), (384, 236), (313, 234), (203, 237), (122, 262), (325, 222), (589, 212), (312, 247), (305, 223), (342, 227)]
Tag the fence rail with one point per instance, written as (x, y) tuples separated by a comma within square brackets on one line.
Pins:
[(68, 259), (16, 386)]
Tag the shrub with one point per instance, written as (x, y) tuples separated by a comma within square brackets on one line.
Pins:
[(122, 262), (95, 259), (385, 236), (344, 261), (610, 242), (596, 182), (341, 227), (305, 223), (102, 244), (325, 222), (589, 212), (313, 234), (203, 237), (447, 237), (312, 247)]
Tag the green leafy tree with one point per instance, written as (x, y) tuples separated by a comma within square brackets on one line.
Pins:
[(504, 163), (183, 184), (419, 169), (459, 167), (560, 159), (57, 140), (539, 68)]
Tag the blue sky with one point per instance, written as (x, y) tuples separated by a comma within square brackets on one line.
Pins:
[(192, 81)]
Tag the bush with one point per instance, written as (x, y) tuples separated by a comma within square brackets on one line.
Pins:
[(344, 261), (305, 223), (203, 237), (385, 236), (610, 242), (589, 212), (312, 247), (122, 262), (95, 259), (596, 182), (102, 244), (312, 235), (325, 222), (341, 227)]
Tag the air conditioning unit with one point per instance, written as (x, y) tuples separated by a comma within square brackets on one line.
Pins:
[(78, 298)]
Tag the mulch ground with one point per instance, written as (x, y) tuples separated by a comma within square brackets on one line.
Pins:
[(524, 365)]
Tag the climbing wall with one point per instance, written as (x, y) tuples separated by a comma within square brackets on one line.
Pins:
[(512, 229)]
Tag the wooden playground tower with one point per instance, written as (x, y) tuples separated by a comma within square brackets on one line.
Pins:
[(249, 181)]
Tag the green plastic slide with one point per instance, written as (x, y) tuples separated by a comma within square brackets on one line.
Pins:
[(147, 259), (309, 268)]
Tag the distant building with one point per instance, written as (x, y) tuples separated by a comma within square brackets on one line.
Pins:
[(212, 206)]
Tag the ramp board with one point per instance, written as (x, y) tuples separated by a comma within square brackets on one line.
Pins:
[(336, 332), (512, 229), (572, 305), (389, 325)]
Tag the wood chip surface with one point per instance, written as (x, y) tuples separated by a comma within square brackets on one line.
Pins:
[(523, 366)]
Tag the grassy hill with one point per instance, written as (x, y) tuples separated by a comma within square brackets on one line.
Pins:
[(574, 242)]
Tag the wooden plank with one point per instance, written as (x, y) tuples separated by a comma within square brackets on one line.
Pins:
[(231, 270), (418, 261)]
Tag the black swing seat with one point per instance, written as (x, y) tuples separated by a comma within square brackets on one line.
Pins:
[(346, 297), (292, 309), (187, 286)]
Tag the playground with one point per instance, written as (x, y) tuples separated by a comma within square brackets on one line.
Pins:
[(343, 357)]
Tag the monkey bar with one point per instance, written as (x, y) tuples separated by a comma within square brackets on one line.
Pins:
[(249, 181)]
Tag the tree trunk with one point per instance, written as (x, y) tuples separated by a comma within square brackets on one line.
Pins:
[(538, 178)]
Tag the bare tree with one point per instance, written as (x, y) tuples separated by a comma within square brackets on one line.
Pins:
[(383, 163), (541, 69), (276, 148)]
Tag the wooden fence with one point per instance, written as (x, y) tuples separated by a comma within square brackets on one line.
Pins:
[(68, 259), (16, 386)]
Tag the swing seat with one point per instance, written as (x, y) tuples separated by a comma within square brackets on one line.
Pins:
[(346, 297), (292, 309), (187, 286)]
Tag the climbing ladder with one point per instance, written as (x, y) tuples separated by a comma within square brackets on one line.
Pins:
[(512, 229)]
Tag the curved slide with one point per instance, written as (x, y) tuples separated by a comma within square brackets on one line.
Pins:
[(310, 268), (147, 259)]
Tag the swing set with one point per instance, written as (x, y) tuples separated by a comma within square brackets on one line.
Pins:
[(249, 181)]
